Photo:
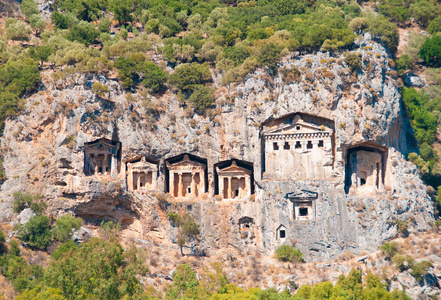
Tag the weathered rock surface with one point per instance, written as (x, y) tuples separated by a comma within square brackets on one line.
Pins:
[(43, 153)]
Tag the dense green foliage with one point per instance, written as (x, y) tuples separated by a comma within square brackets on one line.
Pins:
[(289, 253), (63, 228), (431, 51), (98, 268), (25, 200), (37, 232)]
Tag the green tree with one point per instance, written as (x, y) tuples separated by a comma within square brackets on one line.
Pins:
[(37, 232), (17, 30), (122, 10), (184, 284), (188, 229), (154, 77), (268, 55), (385, 31), (434, 26), (59, 20), (404, 63), (63, 228), (419, 269), (289, 253), (40, 53), (431, 51), (29, 8), (21, 201), (37, 23), (202, 97), (83, 32), (98, 269)]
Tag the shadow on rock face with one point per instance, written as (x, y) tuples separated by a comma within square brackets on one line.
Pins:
[(108, 207)]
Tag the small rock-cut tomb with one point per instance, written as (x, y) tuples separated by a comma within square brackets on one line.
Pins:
[(102, 156), (298, 146), (142, 174), (365, 168), (234, 181), (303, 204), (186, 176)]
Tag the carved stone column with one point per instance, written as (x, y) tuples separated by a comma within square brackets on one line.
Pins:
[(172, 183), (248, 185), (229, 188), (193, 185), (180, 194), (221, 186)]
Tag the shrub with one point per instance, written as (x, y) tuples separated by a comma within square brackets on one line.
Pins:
[(63, 228), (17, 31), (188, 75), (100, 89), (21, 201), (14, 249), (384, 30), (64, 248), (83, 32), (404, 63), (36, 233), (154, 77), (29, 8), (434, 26), (403, 262), (202, 97), (419, 269), (268, 55), (389, 249), (431, 51), (353, 61), (59, 20), (289, 253)]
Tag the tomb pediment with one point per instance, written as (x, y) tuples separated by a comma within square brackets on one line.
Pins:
[(302, 195), (141, 164), (299, 127), (233, 170), (100, 143)]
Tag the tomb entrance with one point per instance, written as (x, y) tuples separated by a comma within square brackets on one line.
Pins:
[(102, 157), (233, 179), (365, 168), (142, 174), (303, 204), (298, 146), (186, 176)]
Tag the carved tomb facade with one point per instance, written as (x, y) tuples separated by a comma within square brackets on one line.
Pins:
[(102, 156)]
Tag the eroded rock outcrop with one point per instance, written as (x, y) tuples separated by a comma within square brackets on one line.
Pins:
[(324, 214)]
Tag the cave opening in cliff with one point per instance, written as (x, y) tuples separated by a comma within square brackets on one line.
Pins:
[(185, 175), (233, 179), (365, 167)]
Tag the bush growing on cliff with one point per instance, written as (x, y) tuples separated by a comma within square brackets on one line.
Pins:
[(389, 249), (287, 253), (63, 228), (37, 232), (188, 229)]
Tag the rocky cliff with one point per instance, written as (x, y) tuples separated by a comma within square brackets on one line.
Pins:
[(43, 152)]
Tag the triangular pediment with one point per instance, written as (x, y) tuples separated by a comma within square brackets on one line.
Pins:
[(302, 195), (186, 162), (234, 169), (142, 165), (299, 127)]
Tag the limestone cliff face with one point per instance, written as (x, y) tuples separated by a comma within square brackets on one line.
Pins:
[(43, 152)]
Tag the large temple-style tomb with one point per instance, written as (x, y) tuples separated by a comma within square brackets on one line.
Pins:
[(102, 156), (142, 174), (186, 178)]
